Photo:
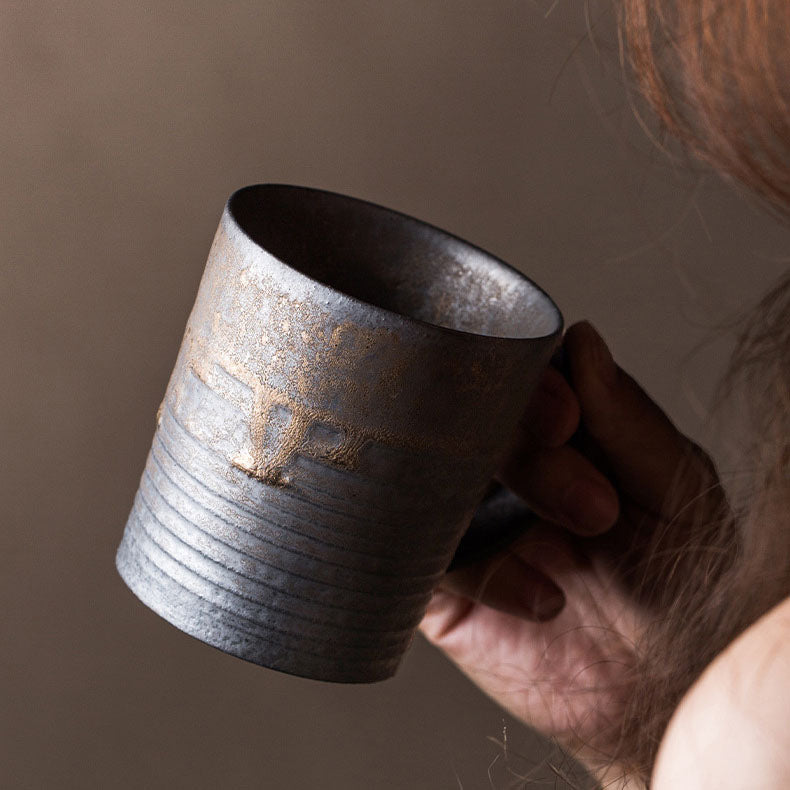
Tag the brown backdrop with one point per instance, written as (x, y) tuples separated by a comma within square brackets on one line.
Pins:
[(125, 127)]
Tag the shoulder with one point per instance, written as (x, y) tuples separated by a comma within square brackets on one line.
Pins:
[(732, 729)]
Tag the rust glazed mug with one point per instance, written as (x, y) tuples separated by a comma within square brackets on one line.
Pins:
[(348, 381)]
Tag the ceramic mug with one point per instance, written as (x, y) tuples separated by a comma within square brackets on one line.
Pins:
[(348, 382)]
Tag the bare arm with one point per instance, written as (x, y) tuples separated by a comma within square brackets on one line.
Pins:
[(732, 729)]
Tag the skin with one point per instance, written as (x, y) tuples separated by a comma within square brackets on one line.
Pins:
[(731, 729), (547, 629)]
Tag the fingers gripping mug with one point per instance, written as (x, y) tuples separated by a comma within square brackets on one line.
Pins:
[(348, 381)]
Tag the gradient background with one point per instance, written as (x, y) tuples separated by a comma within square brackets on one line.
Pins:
[(125, 126)]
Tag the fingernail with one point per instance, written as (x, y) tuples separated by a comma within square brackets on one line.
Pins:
[(537, 593), (605, 366), (548, 603), (589, 506)]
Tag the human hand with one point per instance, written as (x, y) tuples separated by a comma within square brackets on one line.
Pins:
[(549, 628)]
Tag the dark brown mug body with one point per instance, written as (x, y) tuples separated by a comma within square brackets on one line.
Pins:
[(347, 384)]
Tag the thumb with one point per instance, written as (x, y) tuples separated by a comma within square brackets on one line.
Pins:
[(646, 454)]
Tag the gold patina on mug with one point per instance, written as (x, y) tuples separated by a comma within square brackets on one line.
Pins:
[(348, 381)]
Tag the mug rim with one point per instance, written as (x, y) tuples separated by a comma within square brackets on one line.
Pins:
[(549, 306)]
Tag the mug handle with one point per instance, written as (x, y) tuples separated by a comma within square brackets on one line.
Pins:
[(503, 516), (499, 519)]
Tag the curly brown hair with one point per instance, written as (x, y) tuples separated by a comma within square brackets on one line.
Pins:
[(717, 75)]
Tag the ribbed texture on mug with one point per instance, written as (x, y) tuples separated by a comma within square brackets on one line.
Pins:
[(338, 601)]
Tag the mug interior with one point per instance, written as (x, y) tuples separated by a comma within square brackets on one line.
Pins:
[(394, 262)]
